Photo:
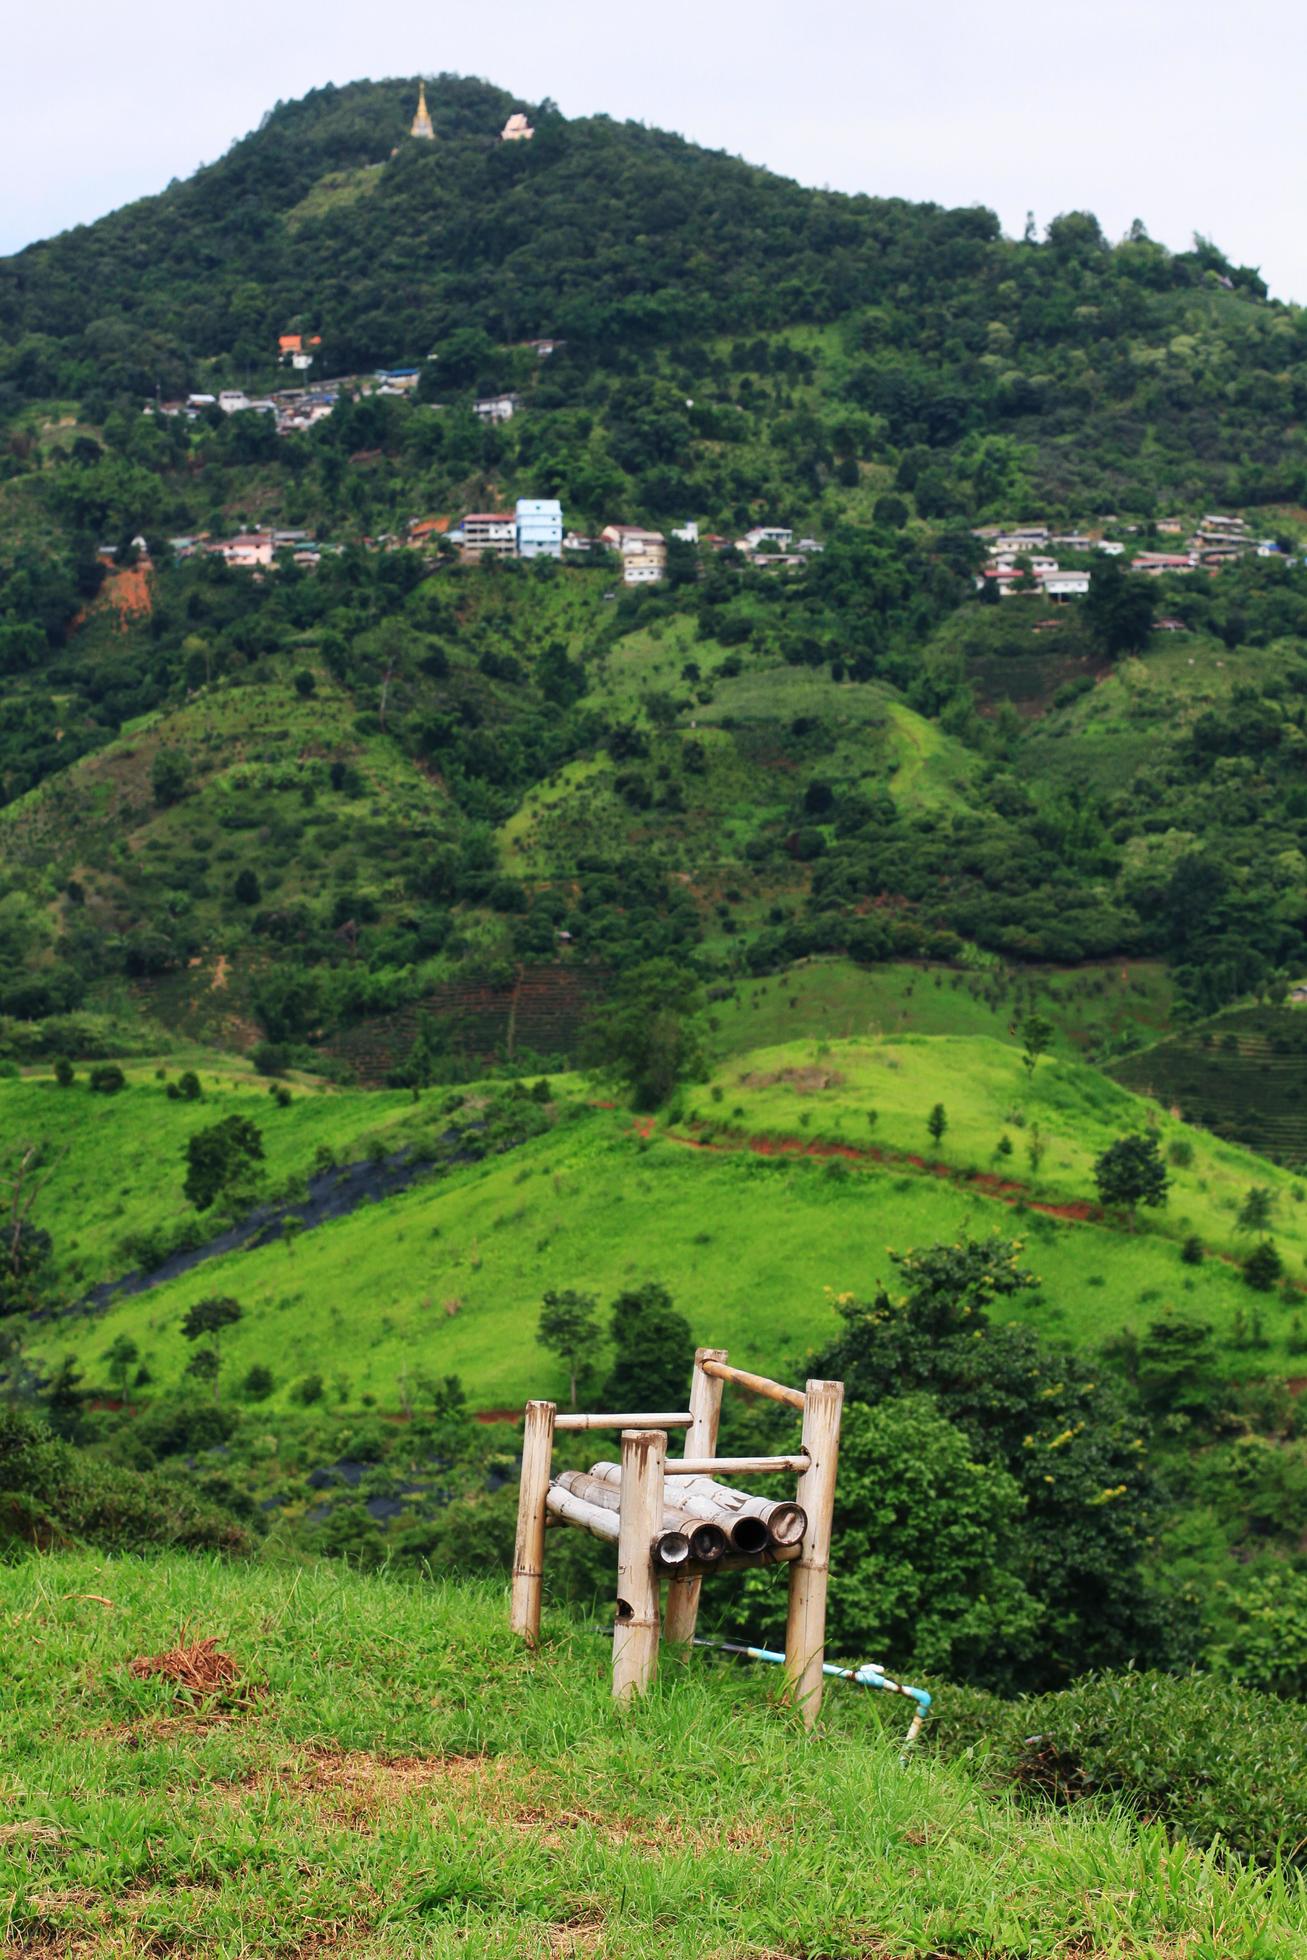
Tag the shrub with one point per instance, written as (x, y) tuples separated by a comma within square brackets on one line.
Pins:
[(1263, 1266), (106, 1079), (307, 1390), (1192, 1250), (54, 1495), (64, 1072), (258, 1383), (188, 1086), (1209, 1758)]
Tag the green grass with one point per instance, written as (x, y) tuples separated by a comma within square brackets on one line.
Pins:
[(824, 1091), (1087, 1006), (397, 1776), (448, 1276), (119, 1161)]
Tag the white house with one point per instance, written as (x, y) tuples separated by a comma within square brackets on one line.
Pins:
[(517, 129), (1110, 547), (232, 400), (249, 548), (495, 408), (493, 532), (687, 533), (539, 527), (1065, 585), (644, 553), (778, 534)]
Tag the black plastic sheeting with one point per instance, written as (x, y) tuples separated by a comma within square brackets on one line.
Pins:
[(333, 1193)]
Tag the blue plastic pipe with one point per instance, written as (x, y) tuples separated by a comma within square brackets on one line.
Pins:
[(869, 1675)]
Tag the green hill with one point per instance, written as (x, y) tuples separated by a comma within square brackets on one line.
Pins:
[(384, 1771), (769, 1192)]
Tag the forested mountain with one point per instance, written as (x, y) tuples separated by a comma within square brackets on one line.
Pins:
[(356, 777)]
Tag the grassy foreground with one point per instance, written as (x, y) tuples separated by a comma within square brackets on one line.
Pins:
[(393, 1775)]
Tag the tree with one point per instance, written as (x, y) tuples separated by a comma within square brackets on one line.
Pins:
[(205, 1322), (1064, 1432), (569, 1328), (646, 1037), (188, 1086), (25, 1249), (653, 1350), (122, 1354), (1036, 1035), (927, 1556), (1263, 1266), (1119, 609), (170, 777), (937, 1123), (221, 1159), (1255, 1211), (1131, 1172), (247, 890)]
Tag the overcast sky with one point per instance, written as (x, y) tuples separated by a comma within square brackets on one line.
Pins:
[(1180, 112)]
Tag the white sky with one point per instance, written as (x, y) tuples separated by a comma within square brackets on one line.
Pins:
[(1181, 112)]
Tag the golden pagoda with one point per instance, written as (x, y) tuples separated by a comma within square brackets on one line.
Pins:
[(422, 120)]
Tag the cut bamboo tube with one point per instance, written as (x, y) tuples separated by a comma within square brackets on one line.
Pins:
[(635, 1629), (677, 1420), (741, 1562), (805, 1631), (681, 1614), (529, 1548), (669, 1548), (785, 1522), (707, 1539), (733, 1466), (756, 1384), (565, 1504), (741, 1522)]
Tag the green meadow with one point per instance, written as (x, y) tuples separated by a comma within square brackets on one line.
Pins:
[(768, 1194), (390, 1774)]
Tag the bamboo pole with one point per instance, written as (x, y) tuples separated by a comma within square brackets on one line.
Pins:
[(805, 1631), (682, 1612), (635, 1628), (734, 1466), (706, 1537), (669, 1548), (529, 1549), (743, 1561), (785, 1522), (744, 1520), (676, 1420), (756, 1384)]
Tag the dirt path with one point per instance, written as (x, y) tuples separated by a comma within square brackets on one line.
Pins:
[(1007, 1190)]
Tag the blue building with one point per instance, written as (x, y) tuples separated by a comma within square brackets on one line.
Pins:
[(539, 527)]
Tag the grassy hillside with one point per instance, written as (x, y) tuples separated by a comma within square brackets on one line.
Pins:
[(390, 1774), (770, 1192)]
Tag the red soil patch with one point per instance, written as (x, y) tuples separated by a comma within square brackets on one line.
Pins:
[(127, 592), (497, 1415)]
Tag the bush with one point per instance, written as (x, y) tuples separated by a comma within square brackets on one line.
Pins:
[(270, 1058), (1210, 1759), (307, 1390), (258, 1383), (64, 1072), (106, 1079), (1192, 1250), (1263, 1267), (53, 1495)]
